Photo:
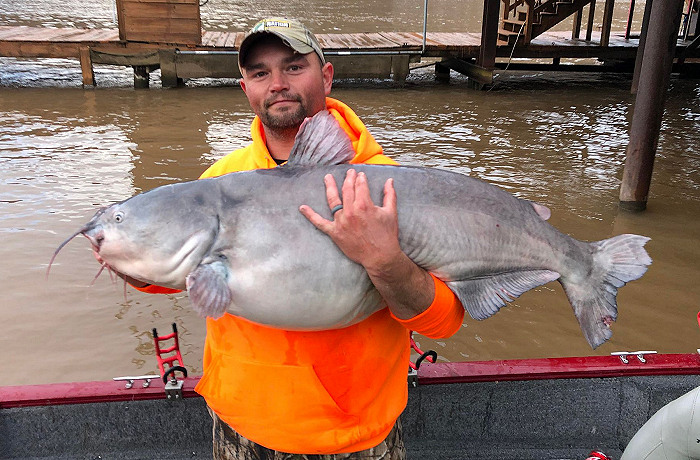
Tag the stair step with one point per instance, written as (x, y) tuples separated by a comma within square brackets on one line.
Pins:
[(508, 37), (512, 25)]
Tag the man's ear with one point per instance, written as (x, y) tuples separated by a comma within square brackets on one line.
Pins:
[(242, 83), (327, 71)]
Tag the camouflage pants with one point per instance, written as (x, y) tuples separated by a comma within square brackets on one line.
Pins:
[(229, 445)]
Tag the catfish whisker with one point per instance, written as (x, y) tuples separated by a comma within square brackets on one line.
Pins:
[(82, 229)]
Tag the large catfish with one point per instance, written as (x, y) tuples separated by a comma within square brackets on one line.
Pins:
[(239, 244)]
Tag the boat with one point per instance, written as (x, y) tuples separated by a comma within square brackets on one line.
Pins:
[(527, 409)]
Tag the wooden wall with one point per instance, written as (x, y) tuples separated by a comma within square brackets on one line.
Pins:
[(164, 21)]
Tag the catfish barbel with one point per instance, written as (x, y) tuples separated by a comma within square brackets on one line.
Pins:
[(239, 244)]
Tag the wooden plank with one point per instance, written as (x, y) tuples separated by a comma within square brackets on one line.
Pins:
[(189, 2), (230, 39), (174, 25), (184, 31), (38, 49), (221, 40), (149, 37), (133, 9), (239, 39), (209, 38), (18, 33)]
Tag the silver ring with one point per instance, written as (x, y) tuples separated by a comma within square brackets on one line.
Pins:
[(336, 209)]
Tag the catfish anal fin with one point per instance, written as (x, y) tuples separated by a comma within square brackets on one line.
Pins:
[(483, 297)]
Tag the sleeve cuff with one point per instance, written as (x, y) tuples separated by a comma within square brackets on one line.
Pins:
[(442, 318)]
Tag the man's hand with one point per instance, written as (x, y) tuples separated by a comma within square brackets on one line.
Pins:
[(369, 235)]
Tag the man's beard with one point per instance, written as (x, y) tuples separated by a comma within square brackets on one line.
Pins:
[(284, 121)]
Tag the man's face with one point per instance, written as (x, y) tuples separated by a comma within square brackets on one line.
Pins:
[(284, 87)]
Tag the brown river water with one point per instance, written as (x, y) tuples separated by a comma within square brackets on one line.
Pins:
[(553, 138)]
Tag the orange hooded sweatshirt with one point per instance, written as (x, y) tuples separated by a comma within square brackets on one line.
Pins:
[(320, 392)]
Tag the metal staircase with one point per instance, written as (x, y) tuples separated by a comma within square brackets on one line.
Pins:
[(523, 20)]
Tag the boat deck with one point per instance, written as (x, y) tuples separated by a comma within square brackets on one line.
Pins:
[(24, 41)]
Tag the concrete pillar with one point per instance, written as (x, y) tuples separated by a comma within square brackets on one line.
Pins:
[(400, 67), (168, 69), (442, 72), (649, 105)]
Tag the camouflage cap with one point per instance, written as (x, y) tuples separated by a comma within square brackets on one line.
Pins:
[(292, 32)]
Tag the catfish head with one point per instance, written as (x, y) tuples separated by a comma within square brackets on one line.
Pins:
[(158, 237)]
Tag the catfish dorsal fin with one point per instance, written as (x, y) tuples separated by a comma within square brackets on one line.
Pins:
[(321, 141)]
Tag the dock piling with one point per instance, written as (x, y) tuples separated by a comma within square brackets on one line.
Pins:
[(141, 76), (168, 69), (656, 65), (86, 67)]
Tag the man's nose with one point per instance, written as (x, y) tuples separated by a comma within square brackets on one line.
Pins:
[(280, 82)]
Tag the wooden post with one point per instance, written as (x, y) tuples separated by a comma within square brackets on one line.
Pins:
[(489, 34), (86, 67), (576, 26), (629, 20), (649, 105), (589, 26), (607, 22), (640, 47)]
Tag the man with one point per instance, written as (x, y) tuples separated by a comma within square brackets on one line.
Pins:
[(277, 394)]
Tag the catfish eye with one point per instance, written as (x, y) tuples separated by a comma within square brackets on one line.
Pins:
[(119, 217)]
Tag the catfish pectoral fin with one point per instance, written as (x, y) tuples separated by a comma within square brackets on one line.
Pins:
[(208, 290)]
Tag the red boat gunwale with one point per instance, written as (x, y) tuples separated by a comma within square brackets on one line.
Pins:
[(428, 374)]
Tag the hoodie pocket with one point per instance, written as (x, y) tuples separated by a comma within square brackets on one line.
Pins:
[(280, 404)]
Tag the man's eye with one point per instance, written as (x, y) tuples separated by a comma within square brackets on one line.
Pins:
[(294, 68)]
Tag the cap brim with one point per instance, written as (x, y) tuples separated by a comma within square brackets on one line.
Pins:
[(296, 45)]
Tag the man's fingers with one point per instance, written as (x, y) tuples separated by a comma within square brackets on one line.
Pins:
[(349, 188), (316, 219), (331, 191), (362, 194), (389, 195)]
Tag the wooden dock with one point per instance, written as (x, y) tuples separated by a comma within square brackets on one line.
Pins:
[(361, 55)]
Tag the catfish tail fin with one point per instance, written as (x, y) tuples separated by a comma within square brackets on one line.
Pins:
[(616, 261)]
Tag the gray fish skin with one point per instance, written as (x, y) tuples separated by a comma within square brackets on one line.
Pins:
[(238, 243)]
